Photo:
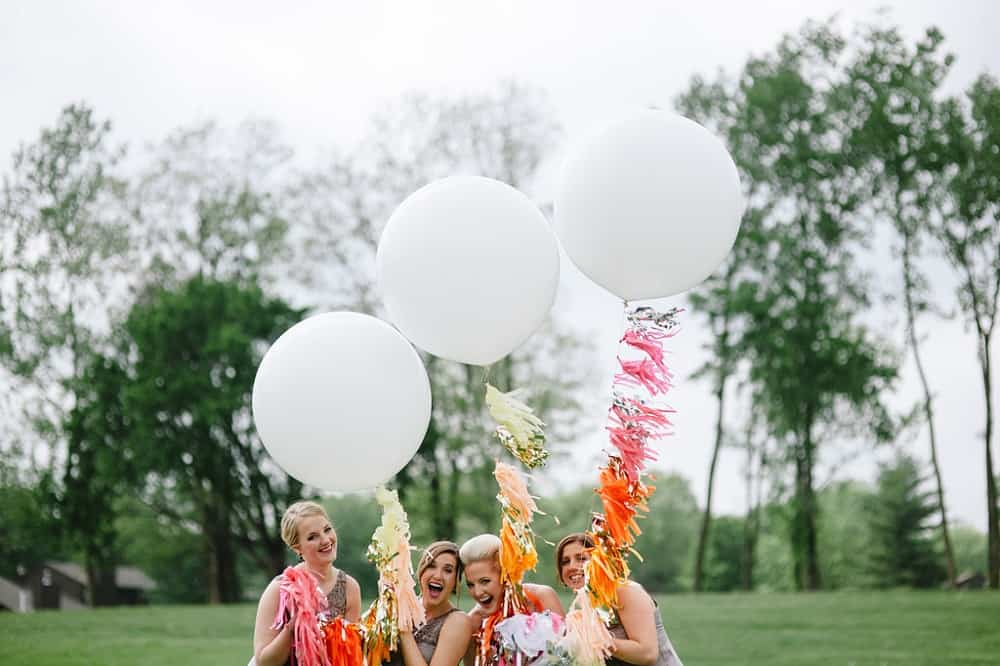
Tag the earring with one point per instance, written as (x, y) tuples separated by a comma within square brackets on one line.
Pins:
[(300, 557)]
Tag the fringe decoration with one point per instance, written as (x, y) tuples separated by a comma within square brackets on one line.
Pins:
[(632, 424), (587, 639), (396, 606), (343, 643), (517, 542), (300, 601), (518, 428)]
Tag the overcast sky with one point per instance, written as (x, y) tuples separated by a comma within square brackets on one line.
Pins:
[(320, 68)]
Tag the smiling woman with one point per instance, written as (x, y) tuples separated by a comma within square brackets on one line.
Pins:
[(307, 531), (444, 637), (639, 636), (480, 556)]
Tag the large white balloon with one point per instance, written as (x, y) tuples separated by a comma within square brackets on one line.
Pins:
[(468, 268), (341, 401), (649, 207)]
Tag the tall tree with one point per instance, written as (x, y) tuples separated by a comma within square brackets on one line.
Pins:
[(969, 233), (99, 471), (813, 366), (717, 297), (894, 88), (193, 352), (65, 257)]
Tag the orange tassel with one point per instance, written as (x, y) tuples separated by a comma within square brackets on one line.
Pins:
[(343, 643), (621, 501)]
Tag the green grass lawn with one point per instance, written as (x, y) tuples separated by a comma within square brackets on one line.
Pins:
[(856, 628)]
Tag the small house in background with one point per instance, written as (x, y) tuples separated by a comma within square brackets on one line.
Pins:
[(64, 585), (970, 580)]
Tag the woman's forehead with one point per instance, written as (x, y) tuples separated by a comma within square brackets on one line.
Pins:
[(312, 524)]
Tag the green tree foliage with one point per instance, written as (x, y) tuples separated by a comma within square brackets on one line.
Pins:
[(668, 536), (30, 523), (65, 258), (969, 234), (814, 368), (168, 551), (894, 89), (844, 533), (193, 353), (970, 549), (902, 549), (355, 517), (724, 562), (99, 470)]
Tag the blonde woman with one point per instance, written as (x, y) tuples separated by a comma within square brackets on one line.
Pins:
[(480, 556), (307, 531)]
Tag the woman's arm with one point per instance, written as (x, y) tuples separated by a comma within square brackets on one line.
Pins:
[(475, 619), (353, 611), (546, 595), (270, 647), (453, 641), (637, 617)]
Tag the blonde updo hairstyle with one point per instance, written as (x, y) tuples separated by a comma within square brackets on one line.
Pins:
[(480, 548), (294, 515)]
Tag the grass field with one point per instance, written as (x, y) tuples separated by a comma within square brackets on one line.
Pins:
[(857, 629)]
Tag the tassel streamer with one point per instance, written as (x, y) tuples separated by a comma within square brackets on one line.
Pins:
[(518, 428), (396, 607)]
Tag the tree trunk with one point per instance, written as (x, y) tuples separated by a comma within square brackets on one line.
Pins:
[(812, 580), (804, 548), (991, 486), (911, 326), (223, 578), (103, 588), (706, 518), (751, 526)]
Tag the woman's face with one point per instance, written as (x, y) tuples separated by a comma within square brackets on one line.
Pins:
[(317, 541), (571, 564), (483, 580), (438, 580)]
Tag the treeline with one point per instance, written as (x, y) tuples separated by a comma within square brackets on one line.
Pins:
[(140, 288)]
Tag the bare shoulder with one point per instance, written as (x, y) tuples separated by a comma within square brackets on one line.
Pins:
[(272, 589), (460, 622), (351, 583), (632, 593), (545, 594), (539, 589)]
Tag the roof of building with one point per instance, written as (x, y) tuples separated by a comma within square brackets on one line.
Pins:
[(125, 576)]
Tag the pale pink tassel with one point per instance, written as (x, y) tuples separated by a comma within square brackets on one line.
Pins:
[(587, 638), (515, 490), (410, 610), (298, 597)]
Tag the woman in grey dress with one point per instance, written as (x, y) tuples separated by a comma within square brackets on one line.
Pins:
[(444, 637), (639, 635), (306, 529)]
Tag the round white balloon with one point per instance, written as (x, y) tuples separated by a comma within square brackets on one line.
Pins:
[(468, 268), (341, 401), (649, 207)]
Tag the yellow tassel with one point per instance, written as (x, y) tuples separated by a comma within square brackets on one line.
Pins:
[(518, 429)]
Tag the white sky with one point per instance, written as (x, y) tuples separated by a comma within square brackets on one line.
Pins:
[(320, 68)]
